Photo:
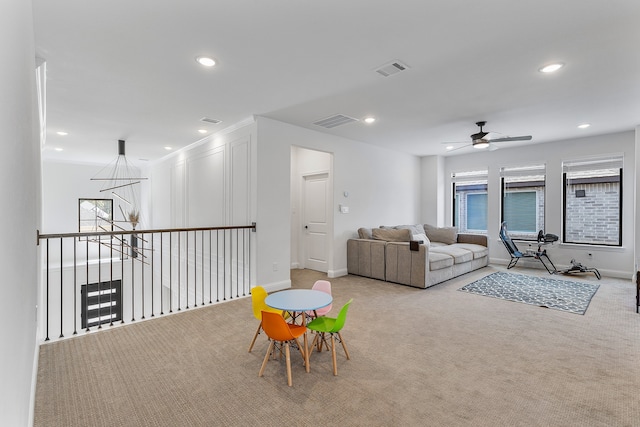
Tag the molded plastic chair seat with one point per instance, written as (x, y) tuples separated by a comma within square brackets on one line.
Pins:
[(332, 326), (281, 333), (324, 286), (258, 295)]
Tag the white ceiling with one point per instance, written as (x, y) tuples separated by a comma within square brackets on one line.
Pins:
[(123, 69)]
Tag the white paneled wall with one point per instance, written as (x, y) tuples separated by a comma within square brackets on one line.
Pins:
[(206, 202), (211, 185)]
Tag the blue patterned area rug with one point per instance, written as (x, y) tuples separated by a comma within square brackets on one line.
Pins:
[(564, 295)]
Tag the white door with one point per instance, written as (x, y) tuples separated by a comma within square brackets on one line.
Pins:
[(315, 221)]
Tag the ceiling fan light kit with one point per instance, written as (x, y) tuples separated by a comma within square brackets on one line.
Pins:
[(480, 143)]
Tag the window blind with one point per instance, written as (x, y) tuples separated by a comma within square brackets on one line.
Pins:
[(470, 177), (611, 163)]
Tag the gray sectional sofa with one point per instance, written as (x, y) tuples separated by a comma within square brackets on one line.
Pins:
[(385, 253)]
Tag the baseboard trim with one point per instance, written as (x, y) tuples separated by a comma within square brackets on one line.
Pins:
[(618, 274), (34, 377), (337, 273)]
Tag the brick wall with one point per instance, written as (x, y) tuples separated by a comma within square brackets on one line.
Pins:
[(595, 217)]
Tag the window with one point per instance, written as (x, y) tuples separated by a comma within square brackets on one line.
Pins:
[(470, 201), (101, 303), (95, 215), (592, 201), (523, 200)]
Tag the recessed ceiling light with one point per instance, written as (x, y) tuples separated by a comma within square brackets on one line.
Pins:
[(58, 149), (202, 130), (583, 126), (62, 133), (206, 61), (551, 67), (369, 120), (168, 148), (449, 147)]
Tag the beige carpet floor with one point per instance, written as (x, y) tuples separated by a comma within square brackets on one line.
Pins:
[(434, 357)]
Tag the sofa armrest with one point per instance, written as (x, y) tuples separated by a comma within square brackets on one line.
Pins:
[(405, 266), (477, 239), (365, 257)]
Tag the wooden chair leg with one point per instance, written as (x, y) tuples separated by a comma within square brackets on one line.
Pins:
[(266, 358), (288, 357), (315, 341), (333, 355), (255, 336), (344, 346), (300, 348)]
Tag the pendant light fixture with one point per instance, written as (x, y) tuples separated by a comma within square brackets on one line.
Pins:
[(122, 182)]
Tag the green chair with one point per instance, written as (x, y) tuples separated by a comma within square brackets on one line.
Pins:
[(328, 325)]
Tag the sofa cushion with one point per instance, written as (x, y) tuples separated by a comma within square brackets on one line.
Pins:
[(415, 228), (364, 233), (448, 235), (479, 251), (476, 239), (459, 255), (438, 261), (391, 234), (417, 231)]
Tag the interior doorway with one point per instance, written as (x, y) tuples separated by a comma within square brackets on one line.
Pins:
[(311, 206)]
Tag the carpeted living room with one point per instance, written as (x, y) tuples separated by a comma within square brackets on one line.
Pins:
[(436, 356), (261, 138)]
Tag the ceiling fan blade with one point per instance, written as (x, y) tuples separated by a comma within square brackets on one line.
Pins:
[(512, 138), (459, 148)]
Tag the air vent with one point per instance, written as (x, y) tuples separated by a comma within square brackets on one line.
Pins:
[(392, 68), (212, 121), (334, 121)]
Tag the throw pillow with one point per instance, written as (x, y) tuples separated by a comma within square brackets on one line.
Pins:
[(364, 233), (415, 229), (447, 235), (391, 235)]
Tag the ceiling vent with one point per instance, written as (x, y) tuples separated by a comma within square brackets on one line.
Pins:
[(334, 121), (392, 68), (210, 121)]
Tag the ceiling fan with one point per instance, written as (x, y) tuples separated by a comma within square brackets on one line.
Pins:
[(482, 139)]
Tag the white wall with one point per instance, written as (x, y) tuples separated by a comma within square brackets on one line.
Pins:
[(63, 184), (209, 183), (20, 213), (383, 187), (611, 261), (433, 183)]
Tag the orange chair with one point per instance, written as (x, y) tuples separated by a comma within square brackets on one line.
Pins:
[(281, 334), (258, 295)]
